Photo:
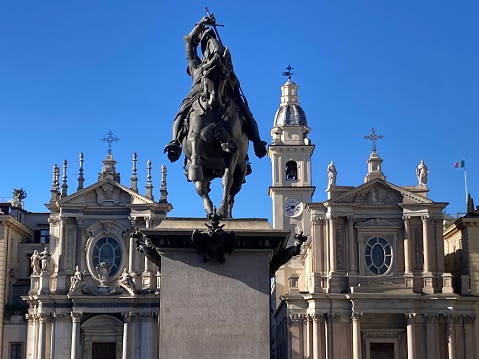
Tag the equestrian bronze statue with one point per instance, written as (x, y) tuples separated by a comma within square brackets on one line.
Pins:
[(214, 124)]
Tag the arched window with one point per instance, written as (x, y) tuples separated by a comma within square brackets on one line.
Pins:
[(291, 171)]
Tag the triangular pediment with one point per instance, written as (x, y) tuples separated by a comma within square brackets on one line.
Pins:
[(105, 193), (378, 192)]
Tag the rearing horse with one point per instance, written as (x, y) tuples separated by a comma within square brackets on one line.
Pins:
[(216, 144)]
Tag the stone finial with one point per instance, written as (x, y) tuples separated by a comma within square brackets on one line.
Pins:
[(54, 189), (64, 179), (134, 178), (149, 186), (163, 191), (81, 179)]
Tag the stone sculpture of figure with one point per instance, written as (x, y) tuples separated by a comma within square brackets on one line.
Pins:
[(205, 36), (332, 174), (45, 259), (103, 270), (126, 279), (77, 278), (36, 262), (421, 173)]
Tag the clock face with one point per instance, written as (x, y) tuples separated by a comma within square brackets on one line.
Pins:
[(292, 207)]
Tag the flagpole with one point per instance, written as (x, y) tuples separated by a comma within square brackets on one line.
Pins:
[(465, 183)]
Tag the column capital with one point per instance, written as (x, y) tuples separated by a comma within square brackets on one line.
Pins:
[(334, 317), (128, 316), (61, 316), (318, 220), (410, 317), (355, 316), (469, 319), (425, 219), (406, 218), (450, 318), (79, 221), (76, 316), (331, 217), (431, 318), (315, 317)]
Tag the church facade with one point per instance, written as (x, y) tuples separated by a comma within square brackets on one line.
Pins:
[(371, 281)]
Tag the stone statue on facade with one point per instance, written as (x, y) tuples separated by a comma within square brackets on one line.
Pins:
[(126, 282), (421, 173), (76, 279), (214, 123), (103, 271), (36, 262), (332, 174), (45, 260)]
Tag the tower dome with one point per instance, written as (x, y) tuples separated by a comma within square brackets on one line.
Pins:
[(290, 112)]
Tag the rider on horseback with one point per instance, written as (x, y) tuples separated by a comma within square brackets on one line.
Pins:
[(210, 47)]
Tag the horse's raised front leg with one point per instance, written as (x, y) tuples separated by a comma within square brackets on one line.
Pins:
[(202, 188)]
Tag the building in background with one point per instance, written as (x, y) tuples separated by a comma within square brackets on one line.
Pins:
[(371, 281)]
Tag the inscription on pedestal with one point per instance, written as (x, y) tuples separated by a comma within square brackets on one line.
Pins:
[(211, 310)]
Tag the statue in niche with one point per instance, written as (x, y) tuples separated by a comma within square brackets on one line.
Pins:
[(421, 173), (332, 174), (36, 262), (214, 123)]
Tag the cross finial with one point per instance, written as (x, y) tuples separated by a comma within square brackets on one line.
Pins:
[(288, 72), (373, 137), (110, 139)]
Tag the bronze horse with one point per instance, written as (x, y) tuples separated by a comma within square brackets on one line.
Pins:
[(216, 144)]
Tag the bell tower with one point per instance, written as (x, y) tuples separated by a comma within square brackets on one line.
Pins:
[(290, 152)]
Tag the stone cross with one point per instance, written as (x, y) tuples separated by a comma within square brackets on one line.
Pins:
[(110, 139), (373, 137)]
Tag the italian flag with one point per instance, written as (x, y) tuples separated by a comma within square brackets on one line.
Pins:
[(460, 164)]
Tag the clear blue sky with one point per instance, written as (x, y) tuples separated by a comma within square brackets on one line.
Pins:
[(70, 71)]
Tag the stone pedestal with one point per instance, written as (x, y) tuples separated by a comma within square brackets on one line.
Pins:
[(213, 310)]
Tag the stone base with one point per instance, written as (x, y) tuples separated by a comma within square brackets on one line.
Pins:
[(213, 310)]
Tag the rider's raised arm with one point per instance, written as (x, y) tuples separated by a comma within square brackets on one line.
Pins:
[(193, 39)]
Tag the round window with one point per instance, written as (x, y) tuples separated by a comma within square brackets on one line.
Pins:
[(107, 250), (378, 255)]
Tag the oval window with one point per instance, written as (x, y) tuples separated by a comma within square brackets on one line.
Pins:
[(378, 255), (107, 250)]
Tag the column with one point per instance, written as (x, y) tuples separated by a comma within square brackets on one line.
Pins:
[(149, 336), (332, 246), (357, 342), (425, 243), (451, 344), (469, 342), (42, 334), (30, 336), (76, 335), (431, 330), (318, 337), (131, 255), (439, 245), (309, 336), (127, 318), (352, 268), (411, 339), (407, 245)]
